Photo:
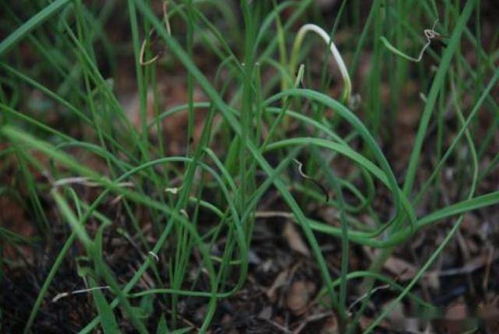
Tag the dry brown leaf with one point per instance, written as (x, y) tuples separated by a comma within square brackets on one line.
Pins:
[(489, 313), (278, 282), (265, 313), (401, 268), (396, 316), (295, 240), (457, 311), (299, 296), (330, 326), (456, 319)]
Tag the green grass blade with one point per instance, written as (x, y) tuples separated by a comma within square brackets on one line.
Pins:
[(436, 86), (31, 24)]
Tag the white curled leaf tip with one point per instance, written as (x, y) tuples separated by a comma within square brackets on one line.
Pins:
[(334, 51), (154, 255), (172, 190)]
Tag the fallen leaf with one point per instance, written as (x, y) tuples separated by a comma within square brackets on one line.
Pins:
[(295, 240), (457, 311), (330, 326), (278, 282), (400, 268), (488, 312), (457, 319), (299, 296), (266, 313)]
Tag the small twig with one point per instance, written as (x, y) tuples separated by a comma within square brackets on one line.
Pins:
[(367, 294), (66, 294), (116, 200), (490, 258), (184, 320), (278, 326), (306, 177), (473, 265), (72, 180), (84, 181), (312, 318), (272, 214)]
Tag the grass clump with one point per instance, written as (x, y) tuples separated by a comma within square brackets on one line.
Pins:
[(160, 159)]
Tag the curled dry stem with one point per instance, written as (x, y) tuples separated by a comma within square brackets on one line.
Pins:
[(146, 41), (347, 90), (317, 183), (430, 34)]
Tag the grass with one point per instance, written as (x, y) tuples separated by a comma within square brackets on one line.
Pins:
[(191, 215)]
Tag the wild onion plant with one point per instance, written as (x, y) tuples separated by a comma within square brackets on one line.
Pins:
[(189, 217)]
